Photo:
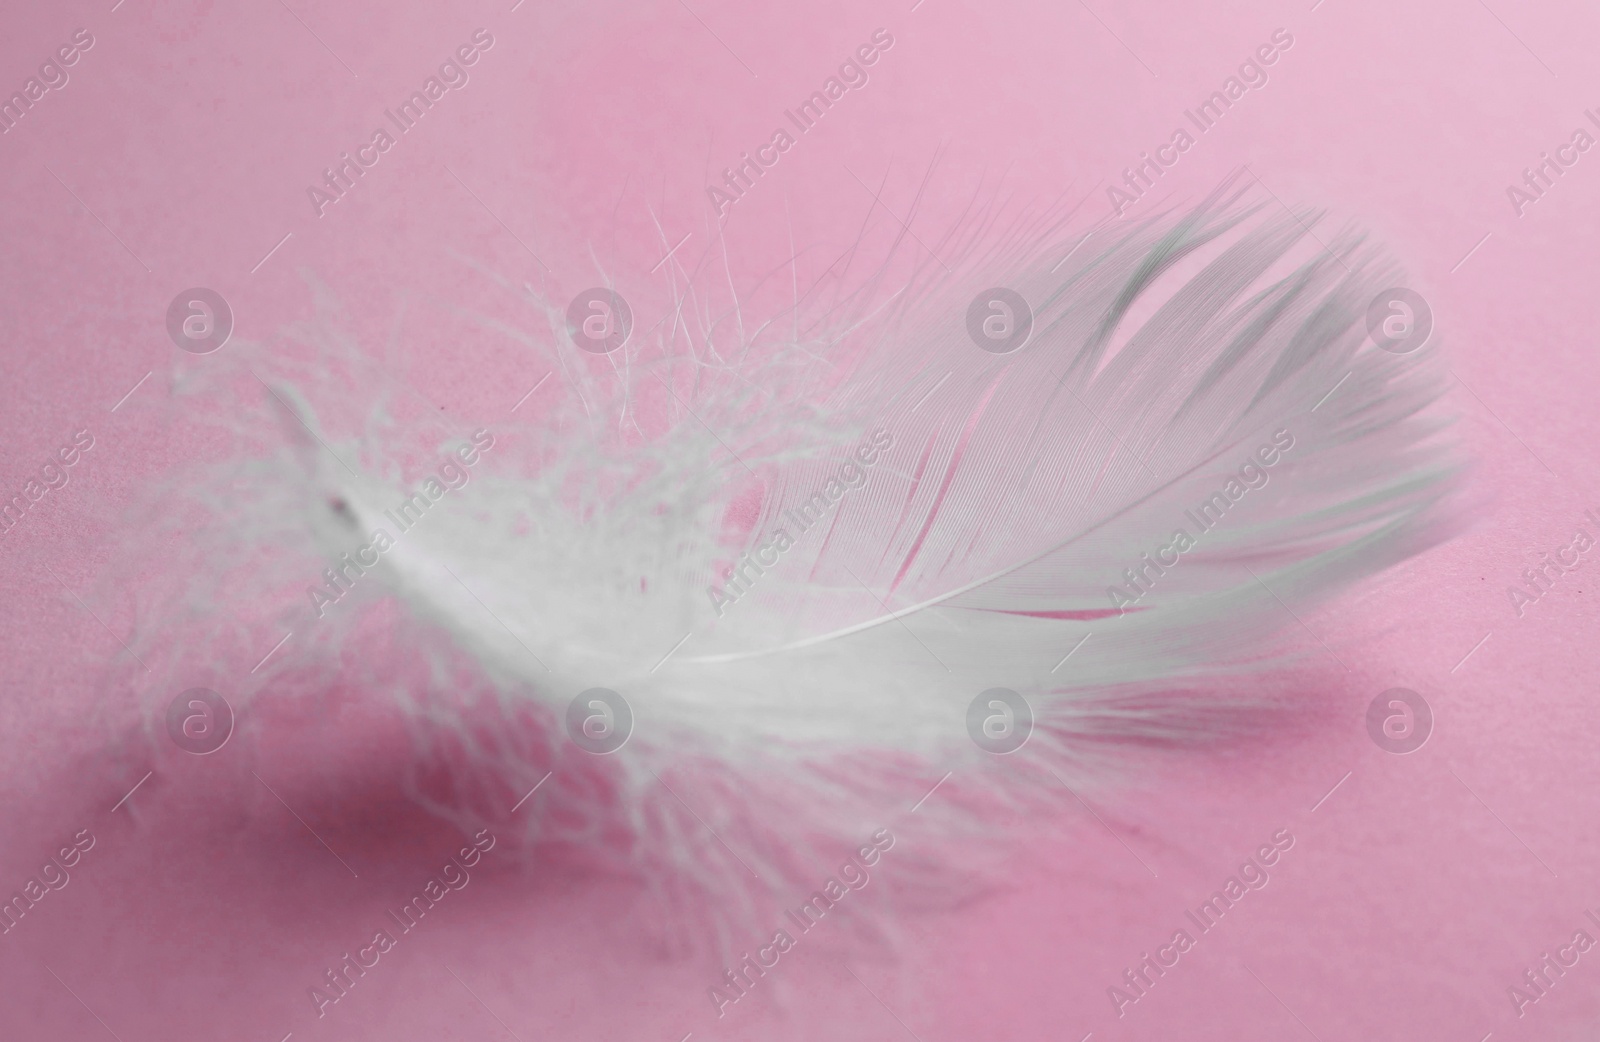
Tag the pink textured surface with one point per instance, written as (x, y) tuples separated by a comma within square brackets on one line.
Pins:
[(179, 153)]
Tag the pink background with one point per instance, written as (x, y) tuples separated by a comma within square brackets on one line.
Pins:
[(1414, 895)]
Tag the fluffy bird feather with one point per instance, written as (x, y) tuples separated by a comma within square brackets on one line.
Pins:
[(801, 558)]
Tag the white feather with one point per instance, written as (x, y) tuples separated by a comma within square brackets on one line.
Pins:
[(977, 553)]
